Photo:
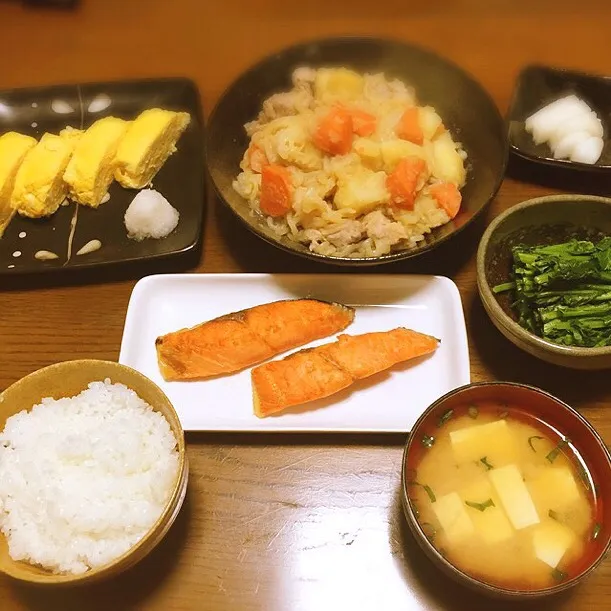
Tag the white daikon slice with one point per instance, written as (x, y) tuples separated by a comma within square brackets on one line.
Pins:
[(588, 151), (543, 126), (564, 147), (587, 122)]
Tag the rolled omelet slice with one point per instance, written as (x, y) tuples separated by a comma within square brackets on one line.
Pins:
[(13, 149), (39, 184), (92, 166), (148, 142)]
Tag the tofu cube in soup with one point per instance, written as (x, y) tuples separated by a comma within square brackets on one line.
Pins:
[(486, 512), (551, 541), (515, 498), (493, 440), (555, 488), (453, 517)]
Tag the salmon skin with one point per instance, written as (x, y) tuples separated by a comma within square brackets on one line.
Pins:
[(315, 373), (241, 339)]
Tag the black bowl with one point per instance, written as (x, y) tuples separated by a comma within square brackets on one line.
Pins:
[(465, 107)]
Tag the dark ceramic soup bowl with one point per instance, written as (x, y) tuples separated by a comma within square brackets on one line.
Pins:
[(465, 107), (540, 405)]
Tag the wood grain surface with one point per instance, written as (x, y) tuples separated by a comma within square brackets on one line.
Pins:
[(288, 522)]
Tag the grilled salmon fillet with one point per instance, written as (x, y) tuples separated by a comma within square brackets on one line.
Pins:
[(315, 373), (236, 341)]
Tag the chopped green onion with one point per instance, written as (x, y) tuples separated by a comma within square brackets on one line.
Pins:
[(553, 515), (426, 488), (410, 476), (473, 412), (558, 449), (486, 464), (481, 506), (530, 441), (583, 476), (430, 493), (445, 417), (559, 575), (428, 441), (503, 415), (596, 531), (432, 532)]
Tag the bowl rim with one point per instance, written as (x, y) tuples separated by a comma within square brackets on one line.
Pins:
[(360, 261), (172, 505), (489, 298), (432, 550)]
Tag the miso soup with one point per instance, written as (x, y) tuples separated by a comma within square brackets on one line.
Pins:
[(504, 497)]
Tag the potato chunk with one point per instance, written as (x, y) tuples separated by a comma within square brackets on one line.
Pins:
[(337, 83), (361, 191), (393, 151), (430, 122), (447, 163)]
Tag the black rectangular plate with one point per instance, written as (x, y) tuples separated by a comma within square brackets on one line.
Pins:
[(536, 87), (181, 180)]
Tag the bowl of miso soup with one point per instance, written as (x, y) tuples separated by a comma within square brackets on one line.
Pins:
[(506, 489)]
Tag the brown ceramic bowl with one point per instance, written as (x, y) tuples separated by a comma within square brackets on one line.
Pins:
[(465, 107), (68, 379), (548, 409), (544, 220)]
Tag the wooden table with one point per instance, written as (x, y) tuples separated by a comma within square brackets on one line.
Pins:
[(287, 522)]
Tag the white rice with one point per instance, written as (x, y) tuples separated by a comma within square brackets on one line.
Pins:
[(150, 215), (83, 479)]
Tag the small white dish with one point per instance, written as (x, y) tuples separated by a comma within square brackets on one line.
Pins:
[(387, 402)]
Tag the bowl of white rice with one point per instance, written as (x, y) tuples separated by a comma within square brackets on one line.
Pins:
[(93, 472)]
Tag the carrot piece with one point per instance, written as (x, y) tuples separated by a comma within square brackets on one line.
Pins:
[(276, 190), (257, 158), (363, 123), (403, 182), (334, 132), (409, 128), (448, 197)]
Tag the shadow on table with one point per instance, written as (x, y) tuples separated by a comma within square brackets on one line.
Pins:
[(556, 178), (508, 363), (126, 591), (433, 588), (253, 254)]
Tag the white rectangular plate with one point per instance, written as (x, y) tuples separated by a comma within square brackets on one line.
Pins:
[(387, 402)]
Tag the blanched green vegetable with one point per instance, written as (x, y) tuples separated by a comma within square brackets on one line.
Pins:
[(562, 292)]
